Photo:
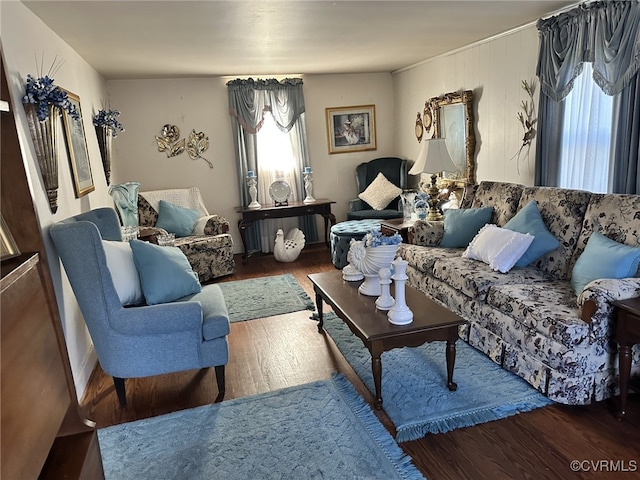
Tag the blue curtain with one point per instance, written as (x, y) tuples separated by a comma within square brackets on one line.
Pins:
[(626, 139), (249, 101), (606, 34)]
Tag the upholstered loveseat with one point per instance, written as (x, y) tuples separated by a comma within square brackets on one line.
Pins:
[(530, 320), (208, 247)]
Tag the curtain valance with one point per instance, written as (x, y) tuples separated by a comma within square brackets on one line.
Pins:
[(606, 34), (249, 99)]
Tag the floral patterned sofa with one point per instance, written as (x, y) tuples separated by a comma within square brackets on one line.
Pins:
[(209, 248), (529, 320)]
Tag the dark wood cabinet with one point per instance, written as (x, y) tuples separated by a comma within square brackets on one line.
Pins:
[(44, 434)]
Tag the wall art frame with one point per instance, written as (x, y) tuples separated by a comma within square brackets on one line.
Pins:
[(351, 129), (77, 149)]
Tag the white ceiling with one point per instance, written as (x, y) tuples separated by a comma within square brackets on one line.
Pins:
[(186, 38)]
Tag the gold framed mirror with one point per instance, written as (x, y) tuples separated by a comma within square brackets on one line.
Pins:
[(453, 119)]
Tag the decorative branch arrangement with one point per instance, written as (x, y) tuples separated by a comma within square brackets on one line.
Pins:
[(527, 119)]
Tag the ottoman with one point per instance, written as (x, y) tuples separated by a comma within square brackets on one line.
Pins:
[(341, 235)]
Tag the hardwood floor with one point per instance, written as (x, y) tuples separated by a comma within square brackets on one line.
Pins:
[(287, 350)]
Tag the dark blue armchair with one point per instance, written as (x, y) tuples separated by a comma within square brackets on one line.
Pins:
[(395, 170), (138, 341)]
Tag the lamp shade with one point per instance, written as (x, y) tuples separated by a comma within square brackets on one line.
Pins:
[(433, 158)]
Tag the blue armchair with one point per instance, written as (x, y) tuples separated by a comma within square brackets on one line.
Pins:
[(138, 341), (395, 170)]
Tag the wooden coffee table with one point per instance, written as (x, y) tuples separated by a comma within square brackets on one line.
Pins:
[(431, 322)]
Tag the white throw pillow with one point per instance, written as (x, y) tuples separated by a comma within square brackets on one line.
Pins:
[(499, 248), (123, 272), (380, 192)]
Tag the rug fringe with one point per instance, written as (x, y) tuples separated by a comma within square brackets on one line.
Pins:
[(309, 304), (415, 432), (383, 439)]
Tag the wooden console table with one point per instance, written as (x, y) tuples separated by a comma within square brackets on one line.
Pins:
[(322, 206)]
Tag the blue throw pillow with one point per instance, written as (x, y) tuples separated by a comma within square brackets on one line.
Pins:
[(529, 220), (165, 273), (175, 219), (604, 258), (462, 224)]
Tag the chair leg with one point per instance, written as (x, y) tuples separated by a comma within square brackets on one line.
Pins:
[(120, 391), (220, 381)]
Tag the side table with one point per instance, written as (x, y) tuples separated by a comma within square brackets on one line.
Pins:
[(397, 225), (627, 335)]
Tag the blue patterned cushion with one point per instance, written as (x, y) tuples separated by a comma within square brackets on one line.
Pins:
[(175, 219), (165, 272), (529, 220), (462, 224), (604, 258)]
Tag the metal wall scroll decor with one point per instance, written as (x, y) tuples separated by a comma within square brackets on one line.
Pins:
[(197, 144), (170, 141)]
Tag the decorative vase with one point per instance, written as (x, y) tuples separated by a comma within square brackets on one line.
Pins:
[(45, 137), (422, 209), (125, 196), (369, 261), (105, 137), (408, 198), (400, 314)]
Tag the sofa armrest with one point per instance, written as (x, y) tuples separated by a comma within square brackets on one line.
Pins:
[(159, 319), (211, 225), (427, 233), (595, 301)]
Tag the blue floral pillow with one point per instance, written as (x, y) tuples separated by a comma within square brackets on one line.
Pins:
[(529, 220), (176, 219), (604, 258)]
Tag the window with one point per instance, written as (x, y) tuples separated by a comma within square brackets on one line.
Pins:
[(585, 161), (275, 154)]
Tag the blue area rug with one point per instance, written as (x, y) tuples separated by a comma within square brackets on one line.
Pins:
[(321, 430), (414, 385), (264, 297)]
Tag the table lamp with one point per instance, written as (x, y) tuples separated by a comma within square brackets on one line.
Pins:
[(433, 158)]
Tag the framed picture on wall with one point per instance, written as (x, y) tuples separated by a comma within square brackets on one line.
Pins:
[(77, 148), (351, 129)]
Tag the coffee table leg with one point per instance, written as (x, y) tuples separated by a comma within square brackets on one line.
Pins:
[(319, 306), (376, 367), (451, 361)]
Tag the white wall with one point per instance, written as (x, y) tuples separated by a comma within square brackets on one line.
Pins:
[(494, 71), (80, 78), (202, 104)]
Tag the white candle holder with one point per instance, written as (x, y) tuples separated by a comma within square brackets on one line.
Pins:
[(400, 314), (252, 182), (308, 185)]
